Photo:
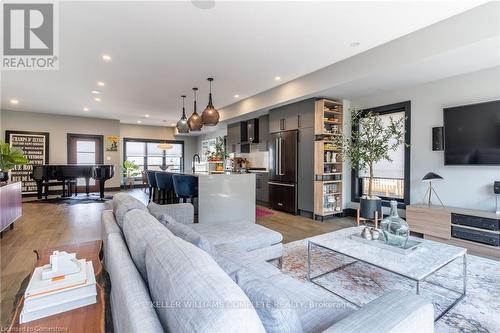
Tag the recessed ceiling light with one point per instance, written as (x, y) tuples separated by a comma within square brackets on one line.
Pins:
[(354, 44), (101, 84), (139, 121), (277, 78), (97, 99), (236, 96), (146, 115), (14, 101), (86, 109), (106, 57), (96, 92)]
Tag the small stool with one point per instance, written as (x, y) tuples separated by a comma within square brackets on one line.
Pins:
[(362, 219)]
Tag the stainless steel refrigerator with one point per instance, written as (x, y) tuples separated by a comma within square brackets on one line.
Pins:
[(283, 171)]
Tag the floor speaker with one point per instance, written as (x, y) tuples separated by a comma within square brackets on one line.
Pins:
[(437, 138)]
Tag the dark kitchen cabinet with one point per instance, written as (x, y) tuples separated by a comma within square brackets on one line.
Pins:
[(305, 110), (262, 187), (283, 118), (305, 181), (292, 116), (253, 130), (233, 138), (263, 133)]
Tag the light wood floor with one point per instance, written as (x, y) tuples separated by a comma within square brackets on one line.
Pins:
[(49, 224)]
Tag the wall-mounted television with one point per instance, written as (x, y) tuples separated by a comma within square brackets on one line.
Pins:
[(472, 134)]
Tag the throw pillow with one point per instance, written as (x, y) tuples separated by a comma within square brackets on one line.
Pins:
[(189, 235)]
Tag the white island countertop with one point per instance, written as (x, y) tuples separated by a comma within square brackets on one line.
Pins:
[(226, 197)]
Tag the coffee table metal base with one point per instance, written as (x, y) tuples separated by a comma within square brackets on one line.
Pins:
[(461, 293)]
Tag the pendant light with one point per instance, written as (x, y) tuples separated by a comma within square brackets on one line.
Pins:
[(210, 116), (164, 146), (182, 124), (194, 122)]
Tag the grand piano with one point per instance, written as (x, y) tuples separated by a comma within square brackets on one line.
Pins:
[(44, 174)]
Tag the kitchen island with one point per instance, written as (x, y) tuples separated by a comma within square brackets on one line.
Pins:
[(226, 197)]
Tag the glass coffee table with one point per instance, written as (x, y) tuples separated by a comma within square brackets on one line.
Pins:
[(427, 259)]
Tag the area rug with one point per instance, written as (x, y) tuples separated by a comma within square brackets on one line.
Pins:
[(259, 212), (359, 282), (79, 199)]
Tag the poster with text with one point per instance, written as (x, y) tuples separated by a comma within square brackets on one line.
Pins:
[(35, 147)]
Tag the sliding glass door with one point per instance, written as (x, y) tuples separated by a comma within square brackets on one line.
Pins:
[(149, 156)]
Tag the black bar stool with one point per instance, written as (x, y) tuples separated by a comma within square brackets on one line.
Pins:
[(186, 187), (165, 185), (151, 184)]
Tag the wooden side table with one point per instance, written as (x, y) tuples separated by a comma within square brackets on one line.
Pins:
[(90, 318)]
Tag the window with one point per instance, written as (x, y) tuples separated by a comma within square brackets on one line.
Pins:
[(391, 179), (85, 154), (146, 154)]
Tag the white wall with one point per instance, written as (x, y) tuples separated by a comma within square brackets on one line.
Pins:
[(463, 186), (221, 131), (59, 126)]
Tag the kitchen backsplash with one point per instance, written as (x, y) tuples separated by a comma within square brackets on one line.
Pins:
[(258, 159)]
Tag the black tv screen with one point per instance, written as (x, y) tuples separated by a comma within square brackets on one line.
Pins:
[(472, 134)]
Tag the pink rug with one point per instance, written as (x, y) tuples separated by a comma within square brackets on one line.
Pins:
[(259, 212)]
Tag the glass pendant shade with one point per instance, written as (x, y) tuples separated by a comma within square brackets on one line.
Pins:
[(182, 124), (194, 121), (210, 116)]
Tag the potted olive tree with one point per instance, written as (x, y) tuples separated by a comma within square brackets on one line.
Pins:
[(9, 158), (130, 170), (370, 143)]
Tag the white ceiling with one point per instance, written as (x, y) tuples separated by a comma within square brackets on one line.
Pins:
[(160, 50)]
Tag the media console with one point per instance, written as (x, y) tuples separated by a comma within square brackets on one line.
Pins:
[(478, 231)]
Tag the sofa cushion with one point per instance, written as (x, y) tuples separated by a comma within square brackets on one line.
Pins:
[(317, 308), (189, 235), (269, 252), (182, 276), (408, 313), (274, 308), (248, 236), (122, 203), (130, 302), (181, 212), (235, 255), (139, 228)]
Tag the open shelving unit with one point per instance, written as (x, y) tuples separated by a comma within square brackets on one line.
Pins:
[(328, 181)]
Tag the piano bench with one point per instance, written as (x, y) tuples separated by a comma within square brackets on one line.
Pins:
[(46, 186)]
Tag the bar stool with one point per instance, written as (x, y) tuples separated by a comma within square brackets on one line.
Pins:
[(151, 184), (144, 178), (186, 187), (165, 185)]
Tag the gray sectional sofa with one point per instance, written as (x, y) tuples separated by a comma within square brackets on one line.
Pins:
[(169, 275)]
